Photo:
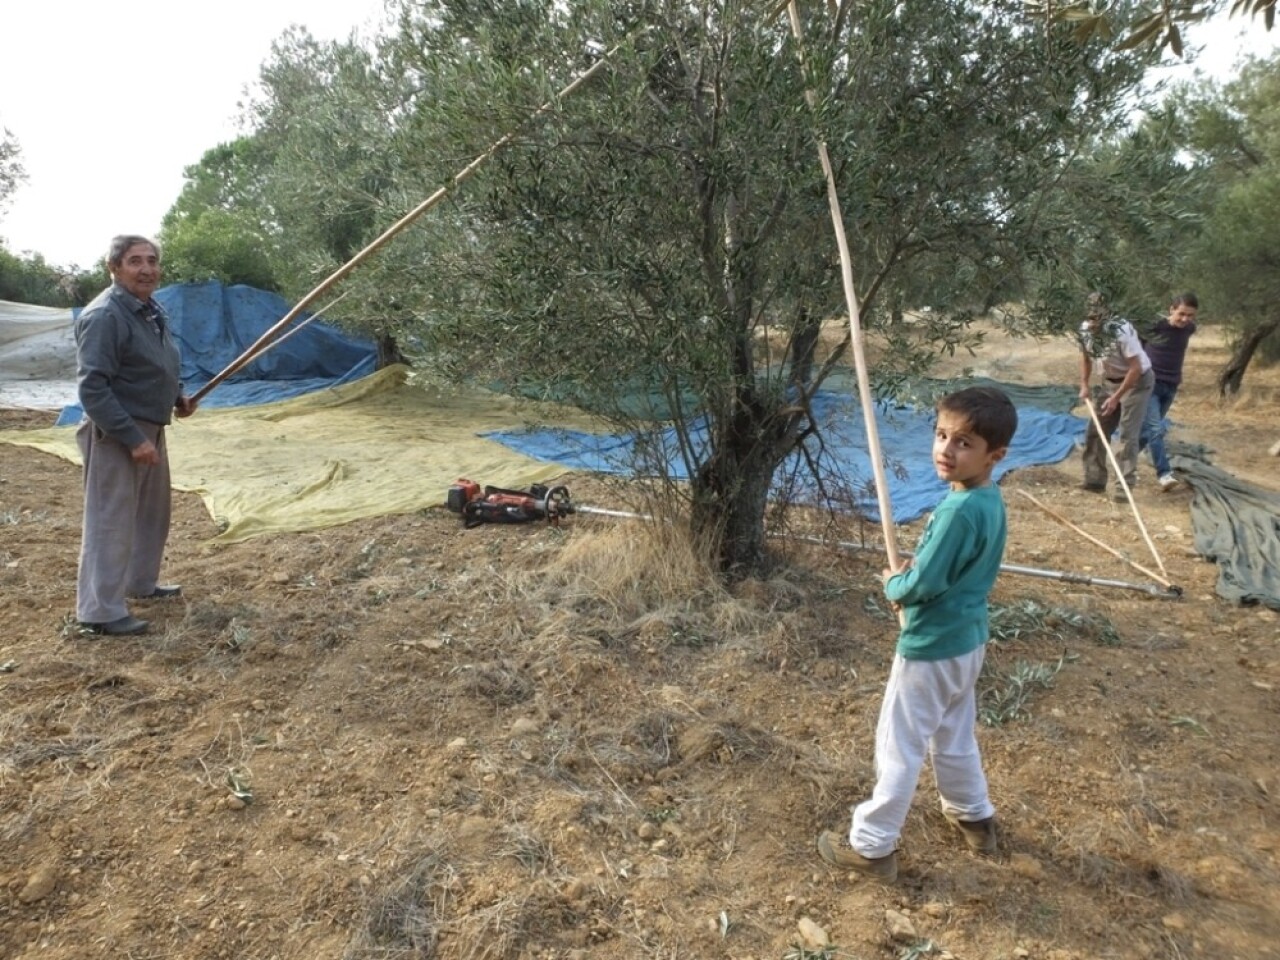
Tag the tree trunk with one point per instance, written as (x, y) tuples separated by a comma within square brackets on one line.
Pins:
[(730, 494), (389, 351), (731, 490), (1233, 373)]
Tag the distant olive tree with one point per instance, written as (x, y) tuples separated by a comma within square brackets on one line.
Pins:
[(12, 173), (325, 128), (1233, 133), (220, 227)]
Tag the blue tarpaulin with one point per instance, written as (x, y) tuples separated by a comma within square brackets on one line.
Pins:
[(906, 438), (214, 324)]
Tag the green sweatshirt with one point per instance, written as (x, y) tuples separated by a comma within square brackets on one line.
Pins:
[(944, 592)]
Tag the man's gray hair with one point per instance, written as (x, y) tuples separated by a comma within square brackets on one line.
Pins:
[(121, 244)]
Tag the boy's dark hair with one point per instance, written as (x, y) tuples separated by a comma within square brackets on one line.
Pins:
[(988, 411), (1187, 299)]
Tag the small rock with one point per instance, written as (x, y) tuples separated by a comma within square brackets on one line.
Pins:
[(458, 743), (648, 830), (1174, 921), (279, 577), (234, 803), (814, 936), (901, 929), (525, 725), (40, 884)]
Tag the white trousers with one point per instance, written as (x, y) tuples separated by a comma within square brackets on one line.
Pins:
[(930, 708), (126, 523)]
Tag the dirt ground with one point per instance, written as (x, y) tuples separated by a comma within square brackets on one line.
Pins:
[(399, 738)]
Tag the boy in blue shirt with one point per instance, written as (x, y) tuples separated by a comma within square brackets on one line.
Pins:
[(930, 704)]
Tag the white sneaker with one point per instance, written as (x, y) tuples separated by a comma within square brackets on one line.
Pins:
[(1167, 481)]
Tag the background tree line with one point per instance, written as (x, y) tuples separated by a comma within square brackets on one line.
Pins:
[(30, 278)]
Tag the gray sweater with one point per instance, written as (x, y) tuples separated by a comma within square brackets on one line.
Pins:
[(127, 364)]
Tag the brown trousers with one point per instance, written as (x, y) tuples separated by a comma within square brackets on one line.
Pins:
[(126, 523), (1129, 417)]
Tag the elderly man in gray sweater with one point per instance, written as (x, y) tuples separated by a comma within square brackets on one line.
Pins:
[(127, 368)]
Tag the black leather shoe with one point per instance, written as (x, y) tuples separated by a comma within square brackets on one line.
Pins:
[(164, 591), (126, 626)]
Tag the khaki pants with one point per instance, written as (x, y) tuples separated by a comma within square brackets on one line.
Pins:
[(126, 523), (1133, 410)]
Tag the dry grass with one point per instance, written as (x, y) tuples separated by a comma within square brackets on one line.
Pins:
[(401, 921), (629, 571)]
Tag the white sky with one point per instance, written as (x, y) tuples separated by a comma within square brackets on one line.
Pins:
[(109, 101), (80, 77)]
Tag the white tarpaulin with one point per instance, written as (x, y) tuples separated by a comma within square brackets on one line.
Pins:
[(37, 356)]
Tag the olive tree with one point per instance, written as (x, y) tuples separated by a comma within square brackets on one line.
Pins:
[(665, 230), (220, 227), (305, 187)]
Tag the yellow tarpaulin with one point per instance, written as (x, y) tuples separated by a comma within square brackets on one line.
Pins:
[(374, 447)]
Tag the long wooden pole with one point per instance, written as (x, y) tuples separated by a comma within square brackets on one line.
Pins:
[(1096, 542), (1169, 593), (461, 177), (1124, 484), (855, 324)]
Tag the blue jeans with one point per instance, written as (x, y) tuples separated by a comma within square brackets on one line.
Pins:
[(1154, 426)]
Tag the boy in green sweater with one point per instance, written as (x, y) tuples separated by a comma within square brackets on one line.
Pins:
[(930, 708)]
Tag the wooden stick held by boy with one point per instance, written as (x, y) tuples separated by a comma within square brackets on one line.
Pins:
[(1128, 493)]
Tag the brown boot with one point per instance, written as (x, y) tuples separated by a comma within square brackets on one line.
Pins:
[(833, 849), (979, 835)]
